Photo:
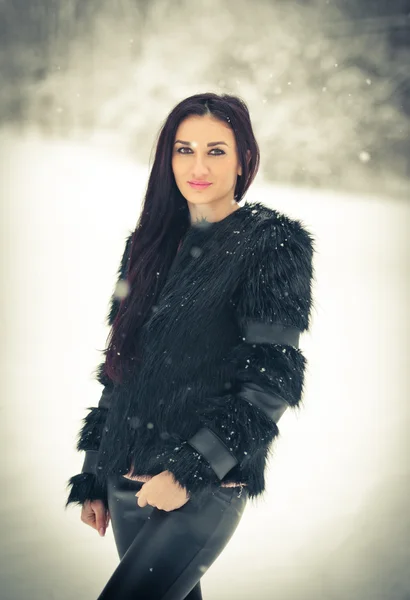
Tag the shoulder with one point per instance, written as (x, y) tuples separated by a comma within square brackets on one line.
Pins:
[(277, 281), (273, 231)]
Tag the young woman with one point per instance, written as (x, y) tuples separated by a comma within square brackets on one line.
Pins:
[(202, 360)]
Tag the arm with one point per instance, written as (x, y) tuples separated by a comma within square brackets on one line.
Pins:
[(84, 485), (273, 307)]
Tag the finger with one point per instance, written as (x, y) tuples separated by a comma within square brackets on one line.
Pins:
[(100, 522), (141, 501)]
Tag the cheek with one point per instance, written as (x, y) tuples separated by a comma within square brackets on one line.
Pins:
[(226, 175), (177, 167)]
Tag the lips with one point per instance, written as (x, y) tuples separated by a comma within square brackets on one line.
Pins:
[(199, 186)]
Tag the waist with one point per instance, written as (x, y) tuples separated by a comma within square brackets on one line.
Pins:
[(145, 478)]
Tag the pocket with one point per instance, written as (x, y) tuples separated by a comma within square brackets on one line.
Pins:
[(131, 482)]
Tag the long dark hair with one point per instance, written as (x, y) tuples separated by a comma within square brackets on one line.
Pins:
[(164, 220)]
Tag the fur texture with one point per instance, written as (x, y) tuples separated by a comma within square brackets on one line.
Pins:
[(256, 264), (84, 486)]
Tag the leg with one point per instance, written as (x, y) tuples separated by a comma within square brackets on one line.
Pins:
[(172, 550), (127, 518)]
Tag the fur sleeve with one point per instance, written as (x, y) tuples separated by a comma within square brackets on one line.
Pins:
[(273, 306), (84, 486)]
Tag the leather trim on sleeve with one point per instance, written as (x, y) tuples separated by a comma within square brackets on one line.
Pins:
[(90, 462), (273, 406), (213, 449), (259, 332)]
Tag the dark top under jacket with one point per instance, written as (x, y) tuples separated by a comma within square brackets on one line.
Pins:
[(220, 364)]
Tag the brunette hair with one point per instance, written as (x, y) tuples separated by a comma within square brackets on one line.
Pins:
[(165, 218)]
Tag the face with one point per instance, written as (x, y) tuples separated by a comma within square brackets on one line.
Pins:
[(197, 157)]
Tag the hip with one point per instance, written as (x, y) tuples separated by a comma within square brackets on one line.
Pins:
[(145, 478)]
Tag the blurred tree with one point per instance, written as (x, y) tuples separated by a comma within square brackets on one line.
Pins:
[(327, 83)]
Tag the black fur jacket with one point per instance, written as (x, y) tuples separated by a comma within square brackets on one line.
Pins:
[(221, 361)]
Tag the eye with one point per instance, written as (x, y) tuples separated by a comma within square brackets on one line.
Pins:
[(187, 148)]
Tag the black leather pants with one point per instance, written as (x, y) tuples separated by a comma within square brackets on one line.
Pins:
[(164, 554)]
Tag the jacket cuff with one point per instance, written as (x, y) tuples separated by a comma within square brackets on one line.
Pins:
[(84, 487), (212, 447), (229, 436), (192, 472)]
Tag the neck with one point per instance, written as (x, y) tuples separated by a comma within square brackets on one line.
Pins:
[(211, 213)]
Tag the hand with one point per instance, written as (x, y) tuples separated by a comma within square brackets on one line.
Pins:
[(163, 492), (94, 514)]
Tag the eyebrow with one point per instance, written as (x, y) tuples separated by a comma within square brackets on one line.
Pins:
[(210, 143)]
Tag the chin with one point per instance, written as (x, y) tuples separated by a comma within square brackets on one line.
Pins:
[(201, 201)]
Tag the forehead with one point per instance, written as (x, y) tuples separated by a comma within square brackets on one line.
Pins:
[(204, 129)]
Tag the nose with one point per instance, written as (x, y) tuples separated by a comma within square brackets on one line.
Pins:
[(200, 168)]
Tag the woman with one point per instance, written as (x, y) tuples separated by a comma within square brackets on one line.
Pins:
[(202, 359)]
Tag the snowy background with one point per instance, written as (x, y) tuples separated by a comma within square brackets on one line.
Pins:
[(85, 87)]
